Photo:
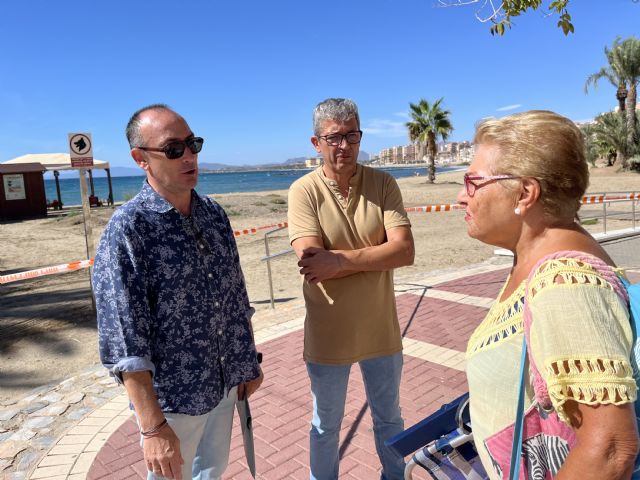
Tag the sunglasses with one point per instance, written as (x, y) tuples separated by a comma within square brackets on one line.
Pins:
[(471, 187), (175, 150)]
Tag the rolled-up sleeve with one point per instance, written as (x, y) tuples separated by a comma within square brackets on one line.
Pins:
[(120, 288)]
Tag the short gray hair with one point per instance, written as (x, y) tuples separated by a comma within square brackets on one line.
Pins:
[(336, 109), (133, 125)]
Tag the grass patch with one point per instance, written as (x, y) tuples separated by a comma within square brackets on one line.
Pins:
[(233, 213), (589, 221), (259, 204), (279, 201)]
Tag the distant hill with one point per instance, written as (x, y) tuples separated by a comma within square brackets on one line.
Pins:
[(294, 160), (215, 166)]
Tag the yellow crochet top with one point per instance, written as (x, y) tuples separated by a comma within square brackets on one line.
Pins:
[(580, 340)]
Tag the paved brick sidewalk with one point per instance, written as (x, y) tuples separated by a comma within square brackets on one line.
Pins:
[(436, 321), (437, 314)]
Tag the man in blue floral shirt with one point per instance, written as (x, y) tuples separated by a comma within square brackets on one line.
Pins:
[(173, 313)]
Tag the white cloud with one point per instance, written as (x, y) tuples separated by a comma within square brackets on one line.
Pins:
[(508, 107), (402, 115), (385, 128)]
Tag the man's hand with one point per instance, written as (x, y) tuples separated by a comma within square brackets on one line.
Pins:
[(318, 264), (249, 387), (162, 453)]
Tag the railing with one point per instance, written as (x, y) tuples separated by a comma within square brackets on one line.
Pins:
[(604, 198), (607, 199), (267, 258)]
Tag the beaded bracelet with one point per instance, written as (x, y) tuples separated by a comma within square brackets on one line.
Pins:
[(155, 429)]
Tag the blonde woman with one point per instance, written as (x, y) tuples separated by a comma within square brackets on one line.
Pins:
[(522, 192)]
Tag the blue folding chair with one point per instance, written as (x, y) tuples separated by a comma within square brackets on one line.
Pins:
[(443, 444)]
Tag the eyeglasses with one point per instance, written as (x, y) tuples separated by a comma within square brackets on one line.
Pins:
[(175, 150), (471, 187), (335, 139)]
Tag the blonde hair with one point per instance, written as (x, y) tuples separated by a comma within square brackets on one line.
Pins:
[(543, 145)]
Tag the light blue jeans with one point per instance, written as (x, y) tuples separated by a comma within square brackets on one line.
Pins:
[(204, 440), (329, 390)]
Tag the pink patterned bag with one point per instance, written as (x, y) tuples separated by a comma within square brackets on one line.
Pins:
[(546, 440)]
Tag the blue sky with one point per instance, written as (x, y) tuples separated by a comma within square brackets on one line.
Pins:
[(246, 75)]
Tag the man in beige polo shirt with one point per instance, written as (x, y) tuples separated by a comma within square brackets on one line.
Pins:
[(348, 226)]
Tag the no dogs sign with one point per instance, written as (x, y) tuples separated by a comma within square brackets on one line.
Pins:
[(80, 150)]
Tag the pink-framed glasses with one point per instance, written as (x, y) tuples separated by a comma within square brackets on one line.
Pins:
[(471, 187)]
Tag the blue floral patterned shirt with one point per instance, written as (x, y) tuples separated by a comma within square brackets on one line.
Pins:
[(171, 299)]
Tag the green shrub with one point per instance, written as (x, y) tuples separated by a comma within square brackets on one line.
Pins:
[(589, 221)]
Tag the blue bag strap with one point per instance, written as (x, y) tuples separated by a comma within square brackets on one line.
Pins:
[(518, 427)]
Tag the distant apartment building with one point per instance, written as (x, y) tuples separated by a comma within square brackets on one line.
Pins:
[(399, 155), (452, 152), (313, 162)]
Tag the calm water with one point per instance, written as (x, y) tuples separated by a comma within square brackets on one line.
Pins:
[(125, 188)]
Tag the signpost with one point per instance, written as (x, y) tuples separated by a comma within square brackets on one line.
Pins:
[(81, 153)]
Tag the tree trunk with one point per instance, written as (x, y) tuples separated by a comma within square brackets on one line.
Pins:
[(432, 150), (631, 118), (621, 95), (623, 160)]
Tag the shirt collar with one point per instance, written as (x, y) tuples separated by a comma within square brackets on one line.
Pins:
[(353, 181), (156, 203)]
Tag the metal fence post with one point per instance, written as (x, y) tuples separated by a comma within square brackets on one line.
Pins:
[(268, 259), (604, 212)]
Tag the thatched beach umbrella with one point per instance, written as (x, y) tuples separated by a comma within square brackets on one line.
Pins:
[(55, 162)]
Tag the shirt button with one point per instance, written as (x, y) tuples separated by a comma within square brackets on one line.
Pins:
[(220, 332), (210, 275), (201, 246), (221, 359), (217, 304)]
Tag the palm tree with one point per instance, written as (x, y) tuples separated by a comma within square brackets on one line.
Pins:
[(610, 131), (430, 121), (623, 72), (595, 147)]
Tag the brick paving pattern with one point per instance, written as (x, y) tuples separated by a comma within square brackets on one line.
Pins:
[(282, 407), (436, 320)]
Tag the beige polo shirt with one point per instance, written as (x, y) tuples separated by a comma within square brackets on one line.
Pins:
[(352, 318)]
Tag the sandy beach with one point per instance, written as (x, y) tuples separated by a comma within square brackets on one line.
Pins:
[(47, 325)]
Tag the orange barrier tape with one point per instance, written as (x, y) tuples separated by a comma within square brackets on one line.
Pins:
[(69, 267), (588, 199), (254, 230), (41, 272), (435, 208)]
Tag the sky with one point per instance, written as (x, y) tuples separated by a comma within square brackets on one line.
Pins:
[(246, 75)]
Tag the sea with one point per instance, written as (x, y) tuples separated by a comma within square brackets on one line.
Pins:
[(125, 188)]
